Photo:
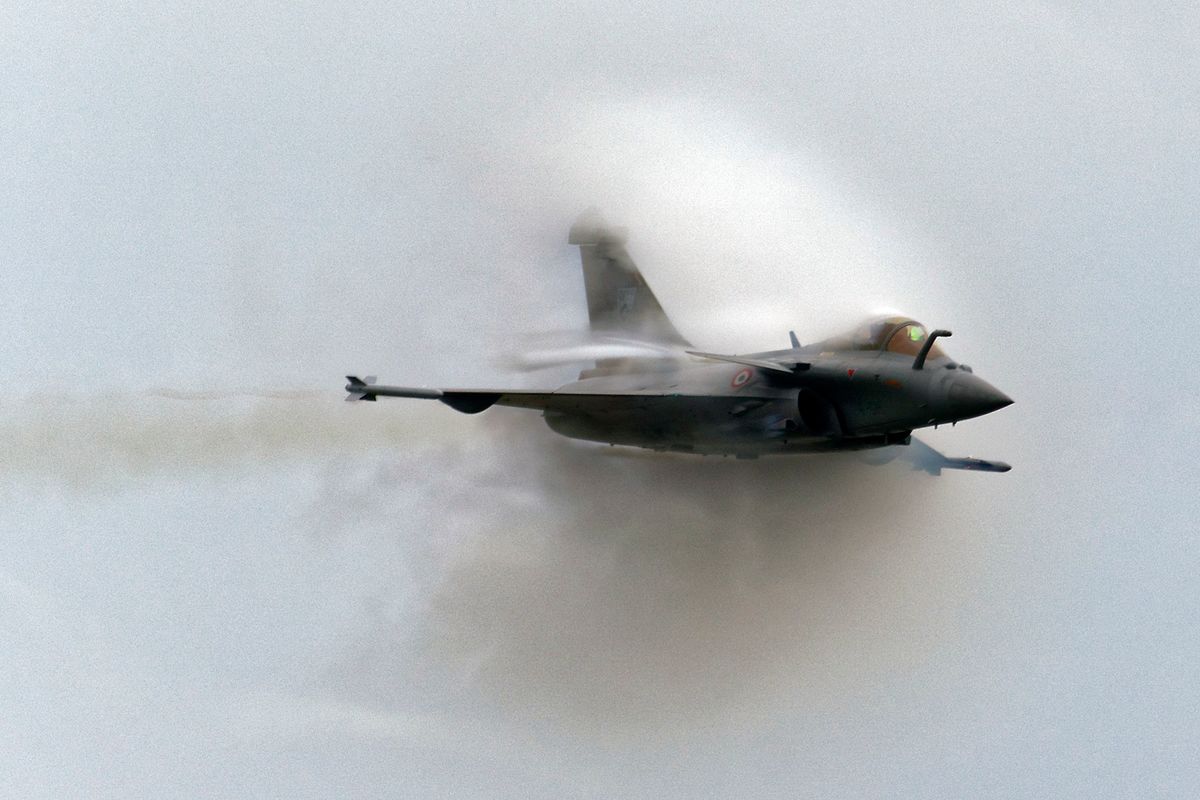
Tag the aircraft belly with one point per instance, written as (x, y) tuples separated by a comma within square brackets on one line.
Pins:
[(688, 423)]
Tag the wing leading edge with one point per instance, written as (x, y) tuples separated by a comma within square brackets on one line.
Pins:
[(466, 401), (473, 401)]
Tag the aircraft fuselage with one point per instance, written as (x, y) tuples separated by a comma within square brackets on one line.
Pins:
[(843, 401)]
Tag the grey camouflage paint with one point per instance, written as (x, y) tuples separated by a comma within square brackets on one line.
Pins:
[(844, 393)]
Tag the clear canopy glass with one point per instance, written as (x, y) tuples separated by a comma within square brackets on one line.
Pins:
[(895, 335)]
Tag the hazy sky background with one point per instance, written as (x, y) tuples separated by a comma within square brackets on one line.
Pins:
[(207, 591)]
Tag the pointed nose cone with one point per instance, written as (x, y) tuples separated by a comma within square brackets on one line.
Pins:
[(973, 397)]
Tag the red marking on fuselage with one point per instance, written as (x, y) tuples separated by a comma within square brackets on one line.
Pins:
[(741, 378), (850, 372)]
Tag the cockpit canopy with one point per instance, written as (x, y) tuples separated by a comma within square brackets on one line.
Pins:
[(899, 335)]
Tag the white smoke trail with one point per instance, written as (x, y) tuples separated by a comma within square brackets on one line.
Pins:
[(237, 394), (115, 439), (560, 583)]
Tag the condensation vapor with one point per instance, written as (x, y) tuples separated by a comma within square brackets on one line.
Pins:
[(556, 349), (742, 237), (605, 590), (608, 589), (618, 592), (622, 594), (114, 439), (612, 591)]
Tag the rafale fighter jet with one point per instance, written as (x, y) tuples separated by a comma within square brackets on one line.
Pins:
[(868, 389)]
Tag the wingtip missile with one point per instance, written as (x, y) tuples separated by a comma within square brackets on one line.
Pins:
[(359, 389)]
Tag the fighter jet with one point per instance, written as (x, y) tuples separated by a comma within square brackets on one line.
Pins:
[(865, 390)]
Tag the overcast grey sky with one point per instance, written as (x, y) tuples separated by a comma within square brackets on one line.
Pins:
[(210, 593)]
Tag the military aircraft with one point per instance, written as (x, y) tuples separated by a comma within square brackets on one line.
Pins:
[(868, 389)]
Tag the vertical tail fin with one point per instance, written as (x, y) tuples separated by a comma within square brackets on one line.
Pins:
[(620, 302)]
